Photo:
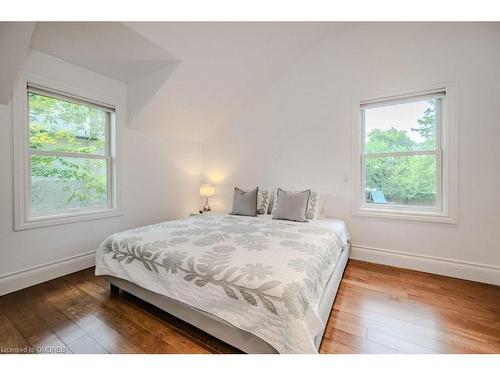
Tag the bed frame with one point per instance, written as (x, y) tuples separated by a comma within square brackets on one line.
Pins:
[(211, 324)]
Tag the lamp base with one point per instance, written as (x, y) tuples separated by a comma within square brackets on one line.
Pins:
[(206, 207)]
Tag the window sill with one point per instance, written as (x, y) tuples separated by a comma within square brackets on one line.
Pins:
[(73, 217), (426, 216)]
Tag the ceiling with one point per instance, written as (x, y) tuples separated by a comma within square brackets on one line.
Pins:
[(184, 79), (14, 41), (109, 48), (223, 65)]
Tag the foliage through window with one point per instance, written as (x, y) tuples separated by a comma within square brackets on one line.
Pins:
[(401, 158), (69, 154)]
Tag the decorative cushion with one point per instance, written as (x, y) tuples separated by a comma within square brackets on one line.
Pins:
[(245, 202), (312, 205), (272, 199), (263, 199), (291, 205)]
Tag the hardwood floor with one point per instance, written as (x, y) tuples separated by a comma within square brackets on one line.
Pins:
[(379, 309)]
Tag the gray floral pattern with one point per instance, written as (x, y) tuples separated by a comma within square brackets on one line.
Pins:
[(263, 201), (257, 270), (296, 299), (173, 260), (209, 268), (271, 267)]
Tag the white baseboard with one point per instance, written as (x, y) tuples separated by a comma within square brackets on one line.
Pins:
[(484, 273), (48, 271)]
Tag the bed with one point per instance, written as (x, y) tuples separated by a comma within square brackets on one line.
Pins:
[(261, 285)]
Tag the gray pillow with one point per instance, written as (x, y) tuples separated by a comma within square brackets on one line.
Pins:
[(245, 202), (291, 205)]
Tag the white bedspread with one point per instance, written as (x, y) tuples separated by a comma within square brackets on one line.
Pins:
[(262, 276)]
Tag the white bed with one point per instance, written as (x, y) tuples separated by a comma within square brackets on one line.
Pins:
[(261, 285)]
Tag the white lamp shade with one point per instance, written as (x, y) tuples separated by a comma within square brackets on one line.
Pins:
[(207, 190)]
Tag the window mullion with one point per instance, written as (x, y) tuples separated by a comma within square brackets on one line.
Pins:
[(399, 153), (68, 154)]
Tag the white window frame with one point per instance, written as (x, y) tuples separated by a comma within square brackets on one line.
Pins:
[(23, 219), (446, 208)]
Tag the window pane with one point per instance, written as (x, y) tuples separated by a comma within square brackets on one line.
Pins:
[(402, 180), (59, 125), (60, 183), (401, 127)]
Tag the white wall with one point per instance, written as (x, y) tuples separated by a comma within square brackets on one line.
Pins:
[(297, 134), (159, 180)]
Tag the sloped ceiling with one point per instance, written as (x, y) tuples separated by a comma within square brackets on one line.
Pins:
[(112, 49), (14, 41), (223, 64), (109, 48), (184, 79)]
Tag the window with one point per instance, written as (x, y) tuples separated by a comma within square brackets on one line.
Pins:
[(68, 167), (402, 156)]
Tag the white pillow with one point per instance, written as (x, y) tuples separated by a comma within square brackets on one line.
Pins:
[(312, 206), (263, 198)]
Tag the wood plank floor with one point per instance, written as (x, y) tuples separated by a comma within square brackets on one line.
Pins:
[(379, 309)]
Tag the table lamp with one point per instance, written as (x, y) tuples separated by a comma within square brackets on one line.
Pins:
[(207, 190)]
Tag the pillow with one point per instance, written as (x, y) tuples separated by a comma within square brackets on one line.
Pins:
[(291, 205), (245, 202), (272, 199), (312, 205), (263, 198)]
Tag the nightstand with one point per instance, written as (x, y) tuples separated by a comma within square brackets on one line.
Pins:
[(197, 214)]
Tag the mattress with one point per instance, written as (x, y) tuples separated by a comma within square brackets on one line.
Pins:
[(266, 277)]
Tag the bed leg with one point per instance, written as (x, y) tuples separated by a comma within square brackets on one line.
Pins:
[(114, 290)]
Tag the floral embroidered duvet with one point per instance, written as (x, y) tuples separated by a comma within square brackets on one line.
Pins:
[(263, 276)]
